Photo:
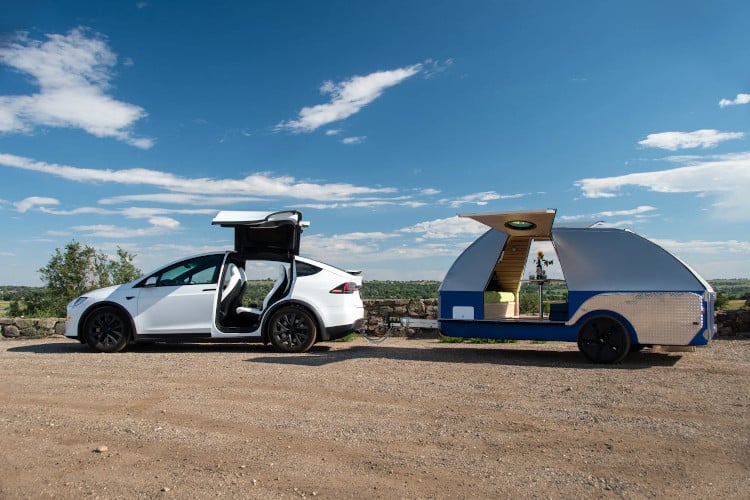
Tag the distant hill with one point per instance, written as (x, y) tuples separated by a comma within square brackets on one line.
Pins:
[(732, 288)]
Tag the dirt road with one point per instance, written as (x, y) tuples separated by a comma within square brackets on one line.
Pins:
[(401, 419)]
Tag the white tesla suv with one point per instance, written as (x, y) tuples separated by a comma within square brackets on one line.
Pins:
[(200, 298)]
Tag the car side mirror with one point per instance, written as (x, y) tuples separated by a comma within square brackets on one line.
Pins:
[(151, 281)]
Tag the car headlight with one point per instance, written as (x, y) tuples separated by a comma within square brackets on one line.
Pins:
[(78, 301)]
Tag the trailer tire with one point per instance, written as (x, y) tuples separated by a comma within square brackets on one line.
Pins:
[(603, 339)]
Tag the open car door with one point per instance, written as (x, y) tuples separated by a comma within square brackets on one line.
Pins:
[(262, 235)]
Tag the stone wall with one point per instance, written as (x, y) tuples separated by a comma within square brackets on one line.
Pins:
[(378, 318), (32, 328), (379, 313), (734, 323)]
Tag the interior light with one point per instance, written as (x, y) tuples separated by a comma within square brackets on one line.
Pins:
[(521, 225)]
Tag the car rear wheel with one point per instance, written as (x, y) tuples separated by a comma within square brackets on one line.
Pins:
[(107, 330), (292, 329), (604, 339)]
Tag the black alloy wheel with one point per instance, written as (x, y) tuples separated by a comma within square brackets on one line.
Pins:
[(107, 330), (292, 329), (604, 339)]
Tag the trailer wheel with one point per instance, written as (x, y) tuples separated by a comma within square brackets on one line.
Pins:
[(604, 339)]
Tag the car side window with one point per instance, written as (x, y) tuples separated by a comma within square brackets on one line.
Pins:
[(305, 269), (203, 270)]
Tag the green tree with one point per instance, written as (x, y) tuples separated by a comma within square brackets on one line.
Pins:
[(78, 269), (721, 301), (123, 270)]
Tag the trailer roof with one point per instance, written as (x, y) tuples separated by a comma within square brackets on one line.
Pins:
[(598, 259), (591, 259)]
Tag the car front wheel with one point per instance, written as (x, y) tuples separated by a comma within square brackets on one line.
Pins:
[(107, 330), (292, 329)]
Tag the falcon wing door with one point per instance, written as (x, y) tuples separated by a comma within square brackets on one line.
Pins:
[(262, 235)]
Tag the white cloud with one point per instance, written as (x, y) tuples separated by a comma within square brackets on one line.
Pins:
[(725, 176), (432, 67), (73, 73), (34, 201), (704, 138), (156, 213), (78, 211), (729, 247), (351, 253), (177, 198), (354, 140), (375, 235), (262, 185), (451, 227), (333, 131), (159, 227), (164, 222), (740, 99), (371, 203), (479, 199), (633, 211), (638, 211), (347, 98)]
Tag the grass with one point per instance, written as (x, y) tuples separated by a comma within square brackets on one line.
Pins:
[(348, 338), (4, 304), (458, 340), (735, 304)]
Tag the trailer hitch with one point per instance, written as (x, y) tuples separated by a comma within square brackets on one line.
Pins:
[(404, 322)]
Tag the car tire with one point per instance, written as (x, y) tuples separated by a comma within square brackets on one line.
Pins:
[(604, 339), (292, 329), (107, 330)]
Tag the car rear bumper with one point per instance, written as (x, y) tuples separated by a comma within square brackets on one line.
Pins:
[(336, 332)]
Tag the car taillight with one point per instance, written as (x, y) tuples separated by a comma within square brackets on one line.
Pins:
[(349, 287)]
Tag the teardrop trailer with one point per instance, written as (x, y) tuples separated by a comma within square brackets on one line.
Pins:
[(624, 291)]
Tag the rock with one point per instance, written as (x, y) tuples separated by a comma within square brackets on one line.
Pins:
[(25, 323), (11, 331), (59, 328), (47, 324)]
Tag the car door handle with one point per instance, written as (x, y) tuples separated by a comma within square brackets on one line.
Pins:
[(209, 289)]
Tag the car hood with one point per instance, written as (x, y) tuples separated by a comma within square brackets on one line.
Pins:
[(103, 293)]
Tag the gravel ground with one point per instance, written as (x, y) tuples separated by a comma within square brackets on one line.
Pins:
[(407, 418)]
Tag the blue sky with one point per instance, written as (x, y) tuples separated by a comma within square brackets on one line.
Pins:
[(132, 123)]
